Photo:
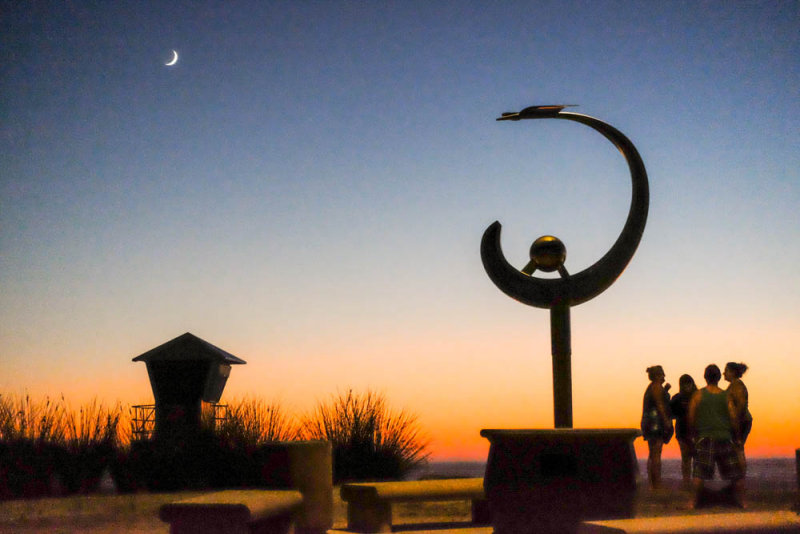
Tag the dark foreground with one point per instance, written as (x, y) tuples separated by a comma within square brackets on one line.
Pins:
[(139, 513)]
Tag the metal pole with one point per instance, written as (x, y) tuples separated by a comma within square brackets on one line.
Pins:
[(561, 349)]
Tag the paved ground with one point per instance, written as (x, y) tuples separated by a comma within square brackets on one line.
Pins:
[(135, 514)]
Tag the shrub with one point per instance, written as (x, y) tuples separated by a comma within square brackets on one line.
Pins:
[(369, 440), (31, 438), (90, 441), (41, 441), (252, 422), (24, 419), (129, 467), (224, 453)]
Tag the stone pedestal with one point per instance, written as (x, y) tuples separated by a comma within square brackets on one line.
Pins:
[(548, 481), (306, 466)]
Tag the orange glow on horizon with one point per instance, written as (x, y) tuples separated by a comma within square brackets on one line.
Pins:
[(456, 437), (461, 381)]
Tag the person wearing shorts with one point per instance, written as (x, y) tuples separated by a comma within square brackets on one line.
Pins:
[(737, 392), (656, 423), (713, 424)]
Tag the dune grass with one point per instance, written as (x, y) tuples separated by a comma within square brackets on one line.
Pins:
[(23, 418), (56, 422), (252, 421), (50, 438), (370, 440), (47, 438)]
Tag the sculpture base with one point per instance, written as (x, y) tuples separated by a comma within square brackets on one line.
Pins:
[(548, 481)]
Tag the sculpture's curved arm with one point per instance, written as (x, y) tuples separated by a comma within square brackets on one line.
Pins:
[(539, 292), (582, 286)]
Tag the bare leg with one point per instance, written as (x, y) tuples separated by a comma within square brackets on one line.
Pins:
[(742, 459), (737, 488), (697, 484), (654, 463), (686, 462)]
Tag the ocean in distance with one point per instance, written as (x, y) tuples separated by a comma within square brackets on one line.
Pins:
[(780, 472)]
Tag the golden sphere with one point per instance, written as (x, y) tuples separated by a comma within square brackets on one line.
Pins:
[(549, 253)]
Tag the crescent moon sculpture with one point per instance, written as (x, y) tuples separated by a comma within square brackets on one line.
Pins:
[(174, 59), (548, 254), (587, 284)]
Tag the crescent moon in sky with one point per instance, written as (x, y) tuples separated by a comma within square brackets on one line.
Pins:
[(173, 60), (580, 287)]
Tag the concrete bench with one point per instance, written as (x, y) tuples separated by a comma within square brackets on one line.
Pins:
[(234, 512), (369, 504), (729, 523)]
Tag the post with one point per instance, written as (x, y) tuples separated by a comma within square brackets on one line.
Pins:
[(561, 349), (797, 467)]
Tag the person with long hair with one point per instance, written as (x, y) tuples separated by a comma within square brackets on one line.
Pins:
[(737, 392), (679, 406), (656, 422)]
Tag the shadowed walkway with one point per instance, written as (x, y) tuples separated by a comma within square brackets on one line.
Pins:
[(133, 514)]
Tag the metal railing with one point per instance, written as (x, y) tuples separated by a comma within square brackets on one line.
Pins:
[(215, 415), (143, 420)]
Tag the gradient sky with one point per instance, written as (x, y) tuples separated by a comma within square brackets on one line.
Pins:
[(307, 189)]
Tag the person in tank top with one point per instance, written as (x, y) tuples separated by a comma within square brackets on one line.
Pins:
[(713, 425), (656, 422), (737, 392)]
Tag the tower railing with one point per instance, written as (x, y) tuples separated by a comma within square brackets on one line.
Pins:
[(143, 420)]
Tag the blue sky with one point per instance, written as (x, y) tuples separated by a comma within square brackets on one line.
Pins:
[(313, 178)]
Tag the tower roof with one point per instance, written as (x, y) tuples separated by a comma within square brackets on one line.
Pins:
[(188, 347)]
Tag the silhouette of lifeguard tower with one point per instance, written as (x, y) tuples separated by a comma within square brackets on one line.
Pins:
[(184, 373)]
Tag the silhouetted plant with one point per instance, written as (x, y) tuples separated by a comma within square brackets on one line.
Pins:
[(24, 418), (126, 466), (125, 426), (44, 440), (369, 440), (31, 438), (92, 423), (224, 453), (252, 422), (39, 440), (91, 439)]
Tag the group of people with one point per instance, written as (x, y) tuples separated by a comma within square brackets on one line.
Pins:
[(711, 427)]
